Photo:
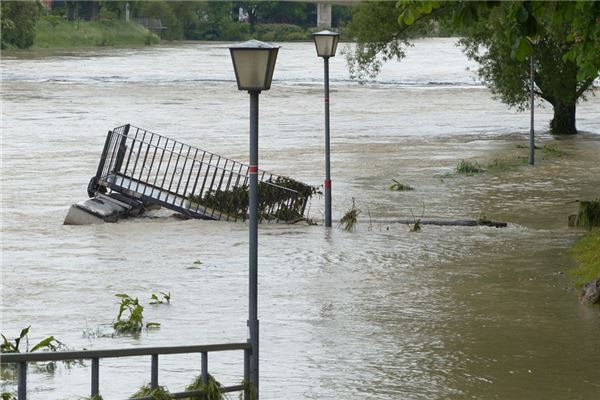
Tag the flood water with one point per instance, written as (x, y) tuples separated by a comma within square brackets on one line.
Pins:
[(378, 313)]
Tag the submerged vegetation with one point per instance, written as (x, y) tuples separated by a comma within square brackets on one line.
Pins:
[(13, 346), (165, 299), (158, 393), (468, 168), (350, 219), (130, 318), (400, 187), (280, 198), (589, 214), (212, 390)]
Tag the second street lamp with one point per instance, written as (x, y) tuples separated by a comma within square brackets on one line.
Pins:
[(326, 44), (253, 62)]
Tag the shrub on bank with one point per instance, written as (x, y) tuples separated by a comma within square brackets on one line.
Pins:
[(281, 33)]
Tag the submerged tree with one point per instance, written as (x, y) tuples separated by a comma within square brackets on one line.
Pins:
[(564, 37)]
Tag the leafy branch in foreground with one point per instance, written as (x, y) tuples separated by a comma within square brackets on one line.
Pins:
[(49, 343)]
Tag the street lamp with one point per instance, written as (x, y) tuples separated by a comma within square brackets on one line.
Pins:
[(253, 62), (326, 44), (531, 131), (534, 40)]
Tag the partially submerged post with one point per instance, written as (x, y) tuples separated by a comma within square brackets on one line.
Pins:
[(326, 45), (254, 63)]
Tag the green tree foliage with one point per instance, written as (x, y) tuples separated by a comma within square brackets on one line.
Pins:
[(18, 20), (564, 38), (163, 10)]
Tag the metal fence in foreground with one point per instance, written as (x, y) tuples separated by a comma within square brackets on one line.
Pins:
[(23, 359)]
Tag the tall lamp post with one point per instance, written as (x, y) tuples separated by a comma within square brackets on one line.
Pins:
[(326, 43), (531, 131), (534, 40), (253, 62)]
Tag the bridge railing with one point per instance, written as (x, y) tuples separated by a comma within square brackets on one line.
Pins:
[(23, 359)]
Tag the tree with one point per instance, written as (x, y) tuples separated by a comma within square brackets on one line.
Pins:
[(18, 20), (163, 11), (564, 37)]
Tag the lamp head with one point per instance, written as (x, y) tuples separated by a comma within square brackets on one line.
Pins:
[(254, 63), (326, 43)]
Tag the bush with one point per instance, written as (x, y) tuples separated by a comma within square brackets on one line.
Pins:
[(280, 33)]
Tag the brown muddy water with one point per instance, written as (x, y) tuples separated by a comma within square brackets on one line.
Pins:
[(378, 313)]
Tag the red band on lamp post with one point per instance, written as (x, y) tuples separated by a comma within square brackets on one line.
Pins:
[(327, 183), (326, 100), (253, 169)]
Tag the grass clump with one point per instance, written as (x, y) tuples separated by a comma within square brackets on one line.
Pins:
[(158, 393), (552, 150), (526, 146), (211, 390), (587, 253), (500, 165), (350, 219), (589, 214), (131, 316), (400, 187), (468, 168), (8, 396)]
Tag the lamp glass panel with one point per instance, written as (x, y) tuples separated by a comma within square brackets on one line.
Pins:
[(326, 45), (251, 68), (271, 69)]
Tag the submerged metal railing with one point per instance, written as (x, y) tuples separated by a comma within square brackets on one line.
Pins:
[(22, 359), (197, 183)]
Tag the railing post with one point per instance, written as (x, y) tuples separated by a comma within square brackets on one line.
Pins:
[(247, 374), (154, 372), (22, 386), (100, 169), (204, 367), (121, 150), (95, 377)]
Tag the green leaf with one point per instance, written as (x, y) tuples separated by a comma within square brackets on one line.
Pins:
[(24, 332), (523, 49), (46, 343), (408, 16)]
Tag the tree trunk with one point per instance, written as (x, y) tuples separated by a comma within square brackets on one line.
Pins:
[(563, 122)]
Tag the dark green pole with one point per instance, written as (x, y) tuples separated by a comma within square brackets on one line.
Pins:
[(327, 182), (253, 240), (531, 132)]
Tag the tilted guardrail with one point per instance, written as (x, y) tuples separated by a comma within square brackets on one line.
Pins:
[(22, 359), (194, 182)]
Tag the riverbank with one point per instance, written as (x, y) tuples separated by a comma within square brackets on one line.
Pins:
[(52, 32), (57, 33), (587, 253)]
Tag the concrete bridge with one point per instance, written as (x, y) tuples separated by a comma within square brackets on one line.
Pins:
[(324, 10)]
